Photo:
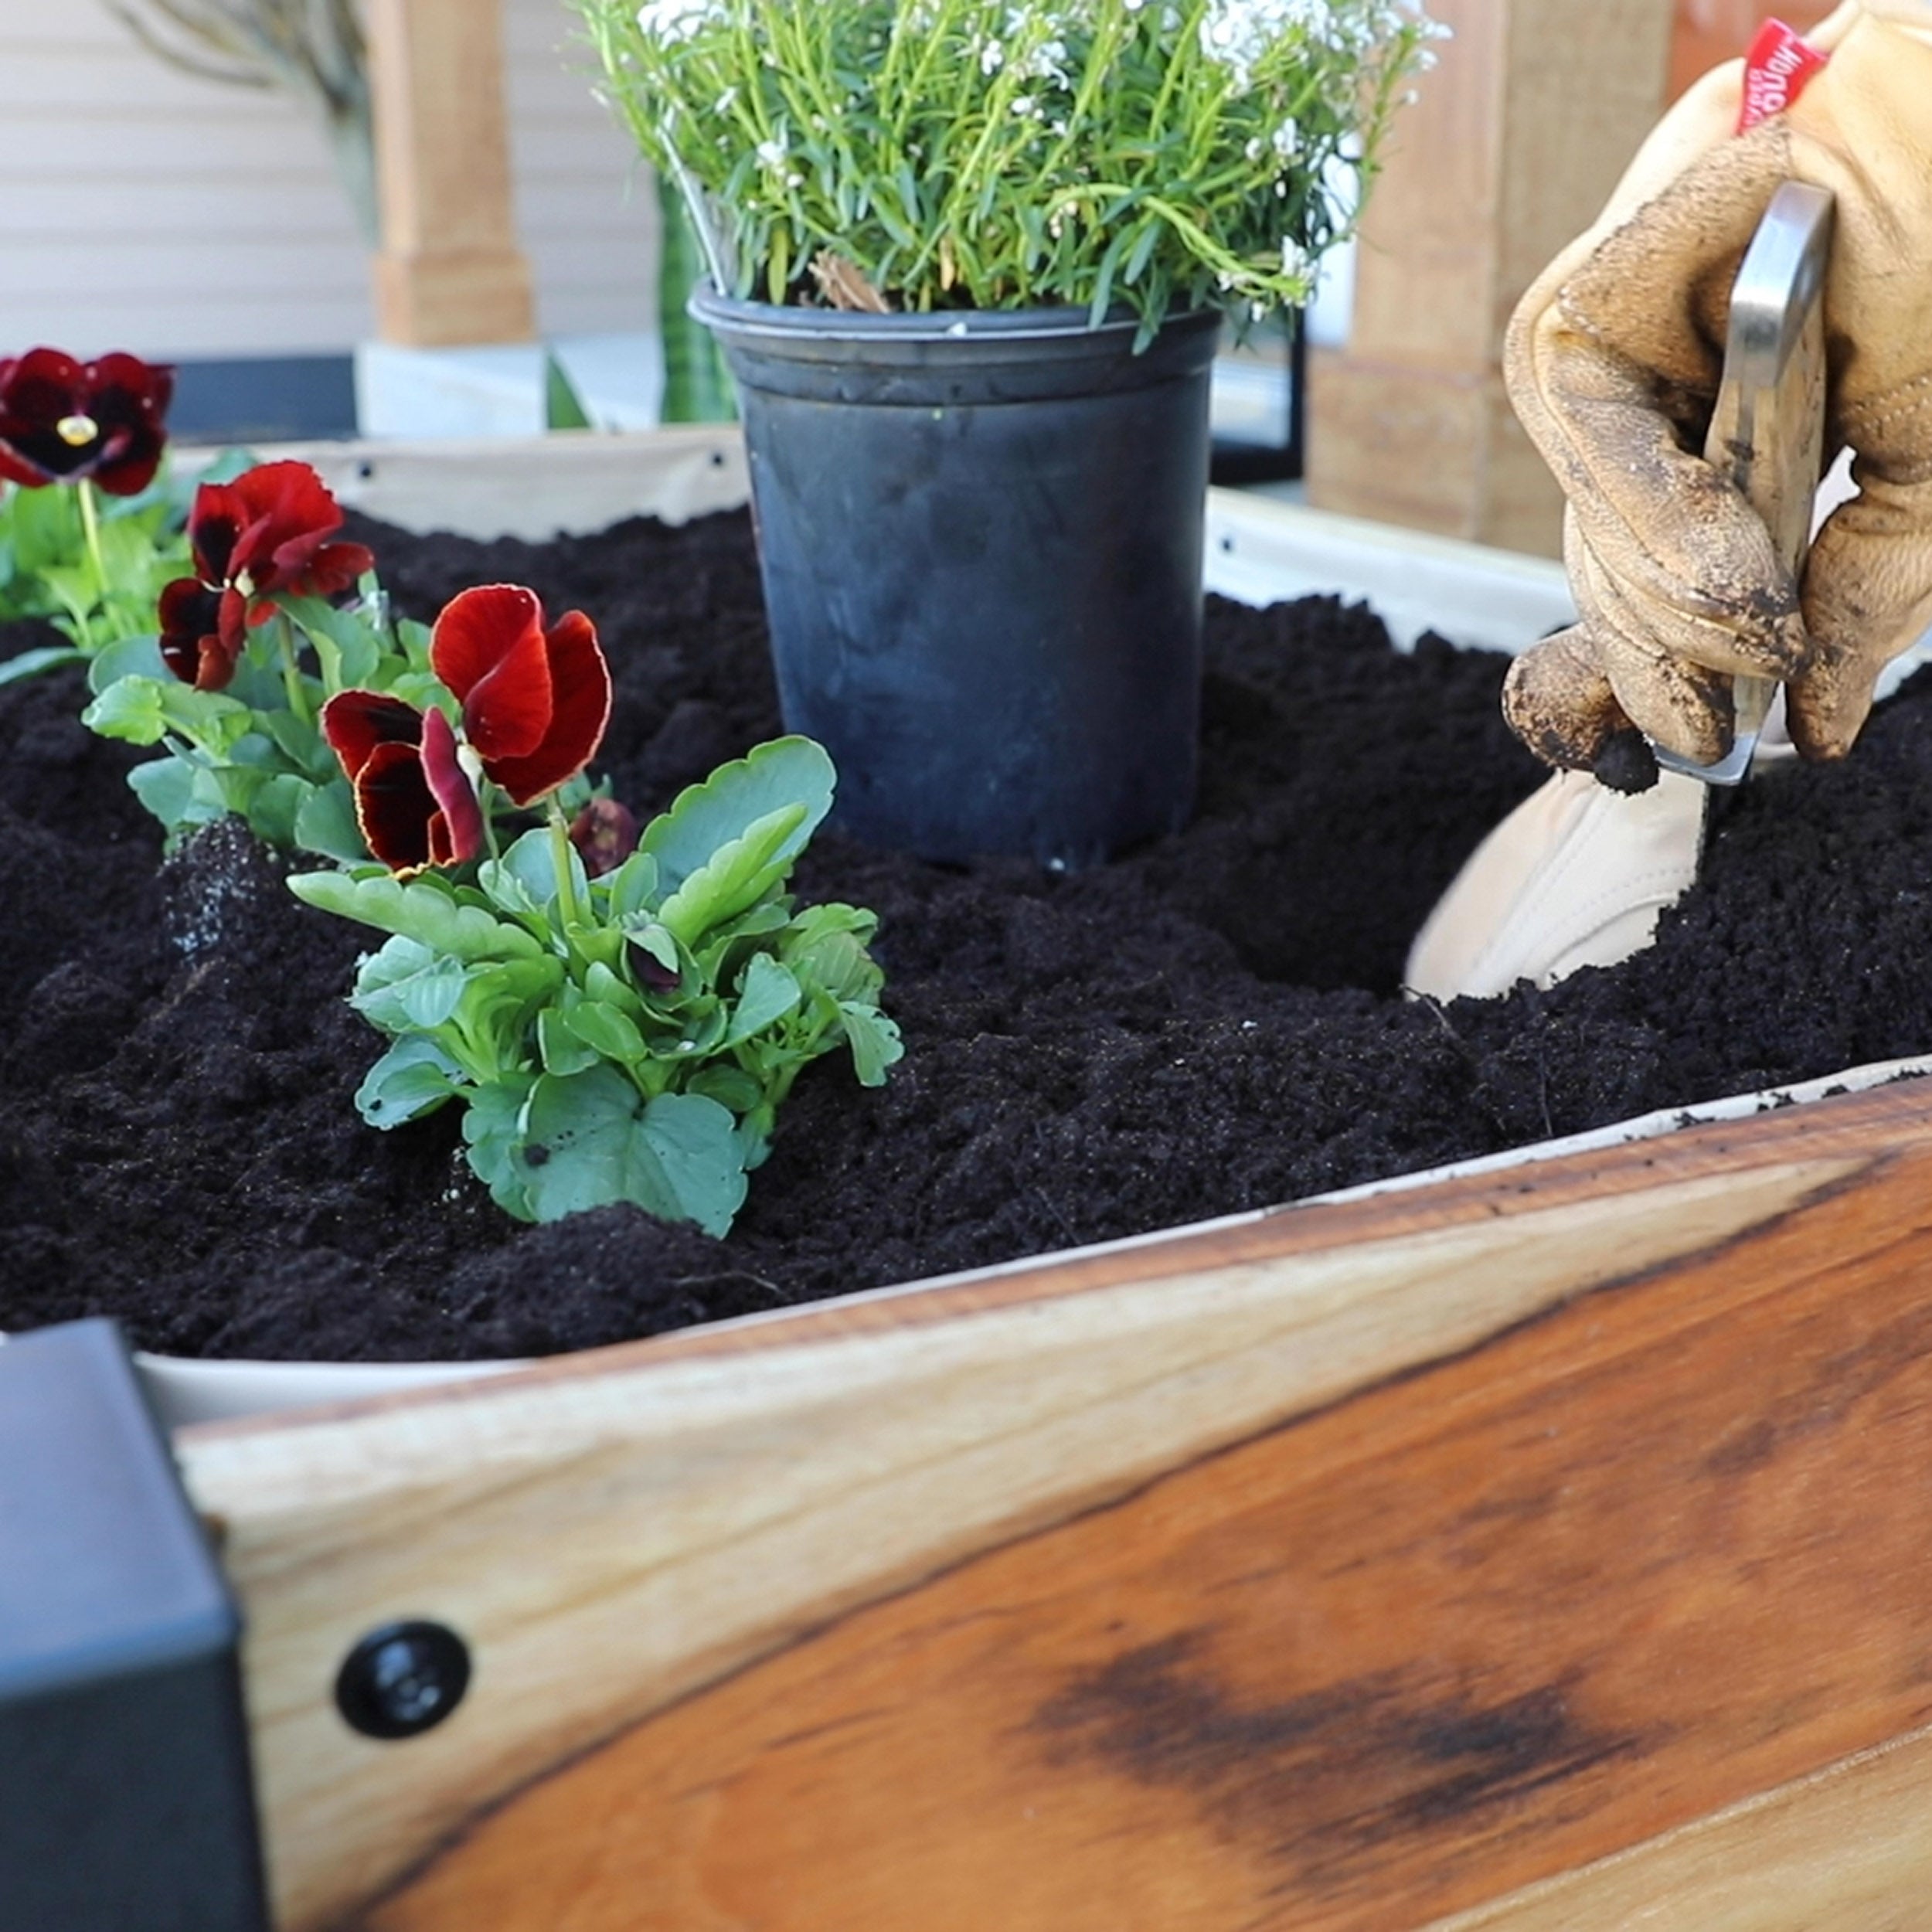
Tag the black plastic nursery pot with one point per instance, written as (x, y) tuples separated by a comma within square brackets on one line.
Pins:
[(980, 536)]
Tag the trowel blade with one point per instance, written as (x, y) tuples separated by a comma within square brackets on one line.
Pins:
[(1767, 430)]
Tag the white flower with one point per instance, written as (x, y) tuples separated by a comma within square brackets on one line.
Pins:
[(1287, 141), (672, 23), (1294, 259), (772, 153), (992, 56), (1024, 104), (1238, 34), (725, 101)]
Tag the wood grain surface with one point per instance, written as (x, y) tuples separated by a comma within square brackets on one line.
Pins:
[(1351, 1566)]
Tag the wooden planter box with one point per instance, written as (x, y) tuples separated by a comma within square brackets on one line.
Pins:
[(1548, 1545)]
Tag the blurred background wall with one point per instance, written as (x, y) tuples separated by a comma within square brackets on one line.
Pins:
[(142, 208)]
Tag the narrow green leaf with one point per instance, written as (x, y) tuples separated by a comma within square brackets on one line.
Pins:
[(31, 664)]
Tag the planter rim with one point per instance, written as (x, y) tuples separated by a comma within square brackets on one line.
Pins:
[(777, 323)]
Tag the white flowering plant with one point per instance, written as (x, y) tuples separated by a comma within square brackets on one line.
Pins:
[(1153, 155)]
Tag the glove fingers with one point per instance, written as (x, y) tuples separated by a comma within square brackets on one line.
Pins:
[(1680, 705), (1868, 596), (1773, 645), (1613, 368), (1558, 699)]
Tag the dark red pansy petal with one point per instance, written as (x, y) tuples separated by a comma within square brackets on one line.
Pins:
[(394, 806), (150, 384), (356, 722), (332, 570), (489, 647), (213, 524), (17, 466), (288, 515), (580, 700), (191, 645), (459, 836), (44, 379), (233, 622), (129, 398)]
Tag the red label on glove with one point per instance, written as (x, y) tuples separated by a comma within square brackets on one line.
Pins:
[(1777, 70)]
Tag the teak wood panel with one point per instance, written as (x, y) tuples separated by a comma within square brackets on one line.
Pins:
[(1352, 1567)]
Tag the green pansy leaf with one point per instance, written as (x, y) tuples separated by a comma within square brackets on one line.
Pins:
[(131, 708), (531, 862), (874, 1040), (506, 891), (414, 1077), (347, 647), (628, 890), (420, 910), (126, 658), (735, 877), (589, 1140), (177, 794), (731, 1086), (326, 823), (768, 993), (747, 792), (562, 1050), (493, 1135), (275, 807), (614, 1035)]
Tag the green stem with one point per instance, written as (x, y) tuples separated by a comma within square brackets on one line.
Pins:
[(292, 683), (560, 857), (91, 530)]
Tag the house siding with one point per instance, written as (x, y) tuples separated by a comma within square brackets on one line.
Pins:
[(143, 208)]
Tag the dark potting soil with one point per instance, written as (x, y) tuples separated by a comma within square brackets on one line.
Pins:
[(1210, 1024)]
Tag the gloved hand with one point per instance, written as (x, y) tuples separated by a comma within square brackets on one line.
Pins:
[(1612, 360)]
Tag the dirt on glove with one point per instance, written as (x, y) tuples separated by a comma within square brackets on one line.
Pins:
[(1211, 1024)]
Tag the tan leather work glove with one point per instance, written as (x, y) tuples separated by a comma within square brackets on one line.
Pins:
[(1612, 360)]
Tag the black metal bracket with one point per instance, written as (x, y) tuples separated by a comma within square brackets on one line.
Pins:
[(126, 1803)]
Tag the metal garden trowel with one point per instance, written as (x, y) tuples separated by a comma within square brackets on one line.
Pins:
[(1578, 875), (1767, 431)]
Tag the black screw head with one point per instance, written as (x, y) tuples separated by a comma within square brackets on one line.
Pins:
[(402, 1679)]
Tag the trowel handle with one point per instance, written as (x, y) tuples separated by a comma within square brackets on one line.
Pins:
[(1767, 431)]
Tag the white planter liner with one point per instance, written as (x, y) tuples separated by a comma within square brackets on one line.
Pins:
[(1260, 550)]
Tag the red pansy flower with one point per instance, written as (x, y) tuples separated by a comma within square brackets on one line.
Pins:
[(413, 800), (266, 532), (61, 421), (535, 704), (535, 701)]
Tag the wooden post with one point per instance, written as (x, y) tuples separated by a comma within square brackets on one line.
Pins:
[(449, 270), (1516, 143)]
